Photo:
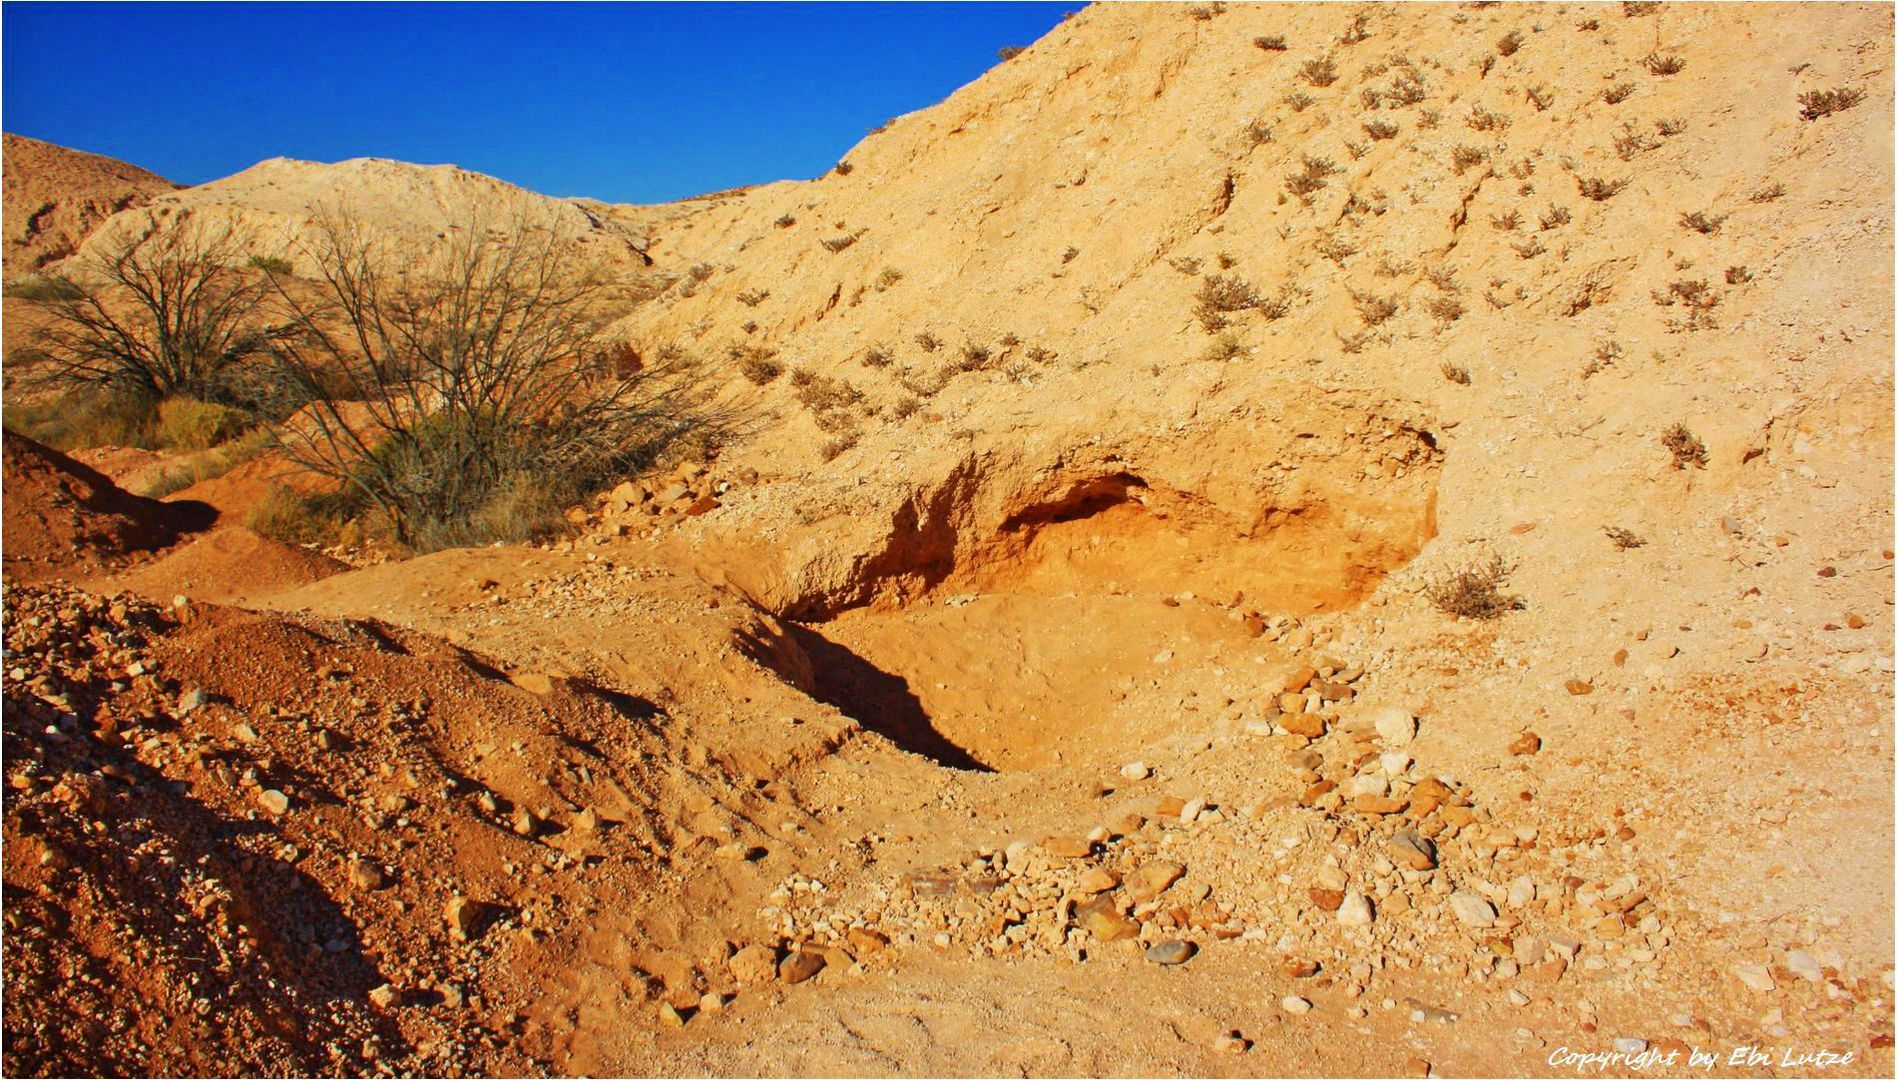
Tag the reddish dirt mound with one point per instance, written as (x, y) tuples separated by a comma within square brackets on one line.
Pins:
[(63, 518), (229, 566), (56, 197), (208, 873)]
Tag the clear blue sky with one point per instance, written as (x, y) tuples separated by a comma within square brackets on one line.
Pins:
[(629, 103)]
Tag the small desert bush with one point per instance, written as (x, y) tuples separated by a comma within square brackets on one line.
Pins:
[(1445, 309), (1624, 539), (1508, 222), (1632, 142), (1358, 31), (1605, 353), (753, 297), (85, 417), (1702, 222), (1617, 93), (1315, 175), (1456, 374), (1220, 295), (1556, 217), (1465, 157), (1684, 446), (1670, 126), (1475, 591), (1258, 133), (1225, 347), (1380, 129), (1009, 52), (1205, 12), (838, 243), (1539, 96), (831, 400), (1482, 119), (271, 264), (1664, 65), (1769, 193), (928, 342), (1599, 189), (844, 168), (1817, 104), (1737, 275), (975, 356), (876, 356), (1406, 90), (1634, 9), (888, 278), (189, 424), (1320, 72), (756, 363), (1697, 297), (1374, 310), (296, 518), (1299, 101), (1335, 248), (785, 221), (1510, 43), (1270, 42)]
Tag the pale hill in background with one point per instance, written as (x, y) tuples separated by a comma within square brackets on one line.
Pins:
[(53, 198), (404, 211)]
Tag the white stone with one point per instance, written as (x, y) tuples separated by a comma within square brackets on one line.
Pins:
[(1394, 762), (1295, 1005), (1754, 975), (1136, 770), (1471, 910), (1521, 891), (1804, 965), (1629, 1045), (1355, 910), (1396, 727)]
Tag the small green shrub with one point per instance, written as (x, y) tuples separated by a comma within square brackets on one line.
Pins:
[(188, 424)]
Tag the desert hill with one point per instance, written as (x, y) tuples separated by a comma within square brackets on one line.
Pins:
[(404, 209), (1270, 539), (54, 198)]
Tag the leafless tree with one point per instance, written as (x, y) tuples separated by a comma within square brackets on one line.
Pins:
[(171, 311), (462, 394)]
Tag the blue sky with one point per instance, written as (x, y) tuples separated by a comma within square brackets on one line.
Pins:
[(630, 103)]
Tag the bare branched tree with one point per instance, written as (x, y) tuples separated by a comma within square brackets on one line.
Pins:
[(461, 395), (166, 313)]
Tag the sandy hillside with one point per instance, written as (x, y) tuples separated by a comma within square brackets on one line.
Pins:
[(1052, 678), (53, 198)]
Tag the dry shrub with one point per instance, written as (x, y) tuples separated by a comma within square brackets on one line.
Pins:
[(1320, 72), (1684, 446), (1475, 591), (1219, 295), (1598, 188), (756, 363), (1624, 539), (1817, 104)]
